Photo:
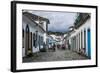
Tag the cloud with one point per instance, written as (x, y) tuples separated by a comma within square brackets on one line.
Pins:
[(59, 21)]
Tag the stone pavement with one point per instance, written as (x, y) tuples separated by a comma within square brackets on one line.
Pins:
[(58, 55)]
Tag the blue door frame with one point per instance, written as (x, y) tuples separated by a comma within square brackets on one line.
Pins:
[(89, 42)]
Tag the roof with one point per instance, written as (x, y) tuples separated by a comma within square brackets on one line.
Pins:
[(81, 19), (71, 27), (29, 16), (34, 17)]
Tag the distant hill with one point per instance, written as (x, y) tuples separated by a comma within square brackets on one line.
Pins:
[(56, 33)]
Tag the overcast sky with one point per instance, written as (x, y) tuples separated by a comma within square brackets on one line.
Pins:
[(59, 21)]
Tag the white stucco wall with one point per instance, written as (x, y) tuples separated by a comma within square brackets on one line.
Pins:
[(23, 52), (85, 26), (44, 26), (33, 28)]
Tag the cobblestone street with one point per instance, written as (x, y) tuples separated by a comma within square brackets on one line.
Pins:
[(58, 55)]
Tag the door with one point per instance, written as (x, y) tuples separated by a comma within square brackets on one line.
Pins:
[(85, 41), (89, 43), (30, 42), (26, 40), (39, 42)]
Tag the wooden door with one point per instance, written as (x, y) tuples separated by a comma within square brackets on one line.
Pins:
[(26, 40), (30, 42)]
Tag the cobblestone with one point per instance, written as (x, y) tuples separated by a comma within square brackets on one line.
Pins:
[(58, 55)]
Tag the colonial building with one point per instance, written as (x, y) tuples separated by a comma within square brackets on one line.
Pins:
[(65, 41), (34, 29), (79, 37), (50, 41)]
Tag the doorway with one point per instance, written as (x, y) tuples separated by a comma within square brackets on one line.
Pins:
[(89, 43), (27, 40)]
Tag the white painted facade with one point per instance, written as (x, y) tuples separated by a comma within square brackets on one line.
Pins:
[(33, 28), (76, 32), (58, 38)]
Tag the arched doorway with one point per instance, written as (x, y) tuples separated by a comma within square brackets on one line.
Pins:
[(27, 30)]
